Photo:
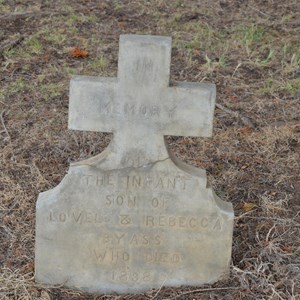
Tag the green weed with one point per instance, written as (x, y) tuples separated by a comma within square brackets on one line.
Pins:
[(34, 45), (295, 60), (70, 71), (270, 86), (250, 36), (51, 90), (177, 3), (212, 65), (17, 86), (286, 18), (267, 59), (193, 44), (99, 64), (292, 86), (4, 8), (119, 7), (2, 97), (203, 32), (56, 38), (290, 58), (91, 19), (73, 18), (10, 53)]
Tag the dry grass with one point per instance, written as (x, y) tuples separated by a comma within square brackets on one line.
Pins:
[(250, 49)]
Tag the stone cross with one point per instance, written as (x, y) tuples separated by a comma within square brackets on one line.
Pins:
[(140, 101), (135, 217)]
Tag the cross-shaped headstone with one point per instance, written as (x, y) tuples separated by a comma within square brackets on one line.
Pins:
[(135, 217), (139, 106)]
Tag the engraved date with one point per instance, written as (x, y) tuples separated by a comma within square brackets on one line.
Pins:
[(130, 276)]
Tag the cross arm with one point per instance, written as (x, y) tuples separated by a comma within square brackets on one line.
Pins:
[(194, 105), (183, 109), (91, 97)]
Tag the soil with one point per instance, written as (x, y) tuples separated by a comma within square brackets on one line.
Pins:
[(249, 49)]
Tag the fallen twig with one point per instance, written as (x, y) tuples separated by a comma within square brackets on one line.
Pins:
[(205, 290), (261, 12), (239, 64), (245, 120), (3, 124), (25, 14), (157, 292)]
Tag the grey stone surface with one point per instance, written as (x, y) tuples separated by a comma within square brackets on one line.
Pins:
[(135, 217)]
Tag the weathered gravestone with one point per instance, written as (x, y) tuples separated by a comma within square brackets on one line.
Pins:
[(135, 217)]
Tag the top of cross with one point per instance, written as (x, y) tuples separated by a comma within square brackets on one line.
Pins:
[(144, 61)]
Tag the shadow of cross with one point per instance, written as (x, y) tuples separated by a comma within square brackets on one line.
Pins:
[(139, 106)]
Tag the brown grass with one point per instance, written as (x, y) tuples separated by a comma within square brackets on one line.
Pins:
[(250, 49)]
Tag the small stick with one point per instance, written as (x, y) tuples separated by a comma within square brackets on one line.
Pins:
[(205, 290), (267, 15), (239, 64), (152, 298), (26, 14), (3, 124), (231, 112), (39, 173), (245, 120)]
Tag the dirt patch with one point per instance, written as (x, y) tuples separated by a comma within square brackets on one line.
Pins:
[(250, 49)]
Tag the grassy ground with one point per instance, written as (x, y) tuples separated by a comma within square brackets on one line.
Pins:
[(250, 49)]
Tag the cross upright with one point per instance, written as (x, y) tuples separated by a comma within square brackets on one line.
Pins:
[(139, 106)]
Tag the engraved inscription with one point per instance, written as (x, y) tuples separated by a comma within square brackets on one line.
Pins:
[(158, 183), (170, 110), (125, 220), (107, 107), (129, 276), (144, 70), (136, 239), (144, 239), (108, 256), (162, 257), (121, 200), (158, 202), (137, 181), (183, 222), (135, 160), (79, 217), (128, 109), (194, 223), (104, 180)]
